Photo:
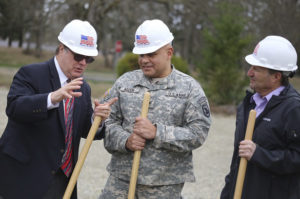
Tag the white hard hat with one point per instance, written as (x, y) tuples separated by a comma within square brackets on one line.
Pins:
[(274, 52), (80, 37), (150, 36)]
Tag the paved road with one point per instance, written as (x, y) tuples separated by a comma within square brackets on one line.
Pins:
[(100, 77)]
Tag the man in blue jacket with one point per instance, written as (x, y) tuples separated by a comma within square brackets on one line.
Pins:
[(273, 155), (49, 109)]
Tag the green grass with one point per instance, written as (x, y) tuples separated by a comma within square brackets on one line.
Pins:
[(14, 57)]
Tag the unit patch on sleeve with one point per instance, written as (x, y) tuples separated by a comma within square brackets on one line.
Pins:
[(205, 110)]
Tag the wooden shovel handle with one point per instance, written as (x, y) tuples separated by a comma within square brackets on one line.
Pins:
[(83, 154), (82, 157), (137, 154), (243, 161)]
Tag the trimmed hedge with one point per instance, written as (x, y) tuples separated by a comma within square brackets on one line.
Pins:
[(129, 62)]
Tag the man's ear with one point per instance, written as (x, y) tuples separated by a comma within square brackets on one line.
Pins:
[(278, 76), (170, 51), (61, 47)]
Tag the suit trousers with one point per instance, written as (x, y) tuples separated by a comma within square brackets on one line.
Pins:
[(58, 186)]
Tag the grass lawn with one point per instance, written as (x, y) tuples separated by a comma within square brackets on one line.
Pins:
[(13, 57)]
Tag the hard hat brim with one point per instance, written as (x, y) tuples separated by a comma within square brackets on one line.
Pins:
[(146, 50), (252, 60)]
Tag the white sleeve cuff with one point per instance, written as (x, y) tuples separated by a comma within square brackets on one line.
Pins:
[(49, 103)]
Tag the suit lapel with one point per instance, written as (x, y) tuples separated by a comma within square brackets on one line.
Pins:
[(76, 113), (55, 82)]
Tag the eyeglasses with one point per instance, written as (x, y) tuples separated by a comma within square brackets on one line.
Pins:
[(78, 57)]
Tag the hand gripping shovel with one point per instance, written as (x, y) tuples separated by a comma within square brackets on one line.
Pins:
[(243, 161), (137, 154)]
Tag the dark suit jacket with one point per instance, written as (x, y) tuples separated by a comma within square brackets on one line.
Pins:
[(32, 145)]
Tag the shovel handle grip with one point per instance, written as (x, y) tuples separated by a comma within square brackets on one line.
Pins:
[(243, 162), (137, 154)]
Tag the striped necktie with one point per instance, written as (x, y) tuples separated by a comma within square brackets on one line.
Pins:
[(67, 160)]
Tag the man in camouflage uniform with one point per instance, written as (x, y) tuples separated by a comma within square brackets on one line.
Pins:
[(178, 121)]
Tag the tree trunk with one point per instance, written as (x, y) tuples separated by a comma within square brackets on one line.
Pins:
[(38, 48), (9, 41), (21, 39)]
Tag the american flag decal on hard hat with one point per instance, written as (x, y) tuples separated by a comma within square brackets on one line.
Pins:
[(142, 39), (87, 41), (256, 49)]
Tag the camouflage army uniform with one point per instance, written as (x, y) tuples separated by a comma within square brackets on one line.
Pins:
[(116, 188), (179, 109)]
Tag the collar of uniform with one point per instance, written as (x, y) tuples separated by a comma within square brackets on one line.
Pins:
[(167, 82)]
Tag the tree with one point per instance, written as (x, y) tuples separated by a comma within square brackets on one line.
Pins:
[(12, 21), (221, 70), (188, 18), (275, 17), (100, 15)]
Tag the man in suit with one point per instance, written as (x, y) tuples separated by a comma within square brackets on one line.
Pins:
[(49, 109)]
